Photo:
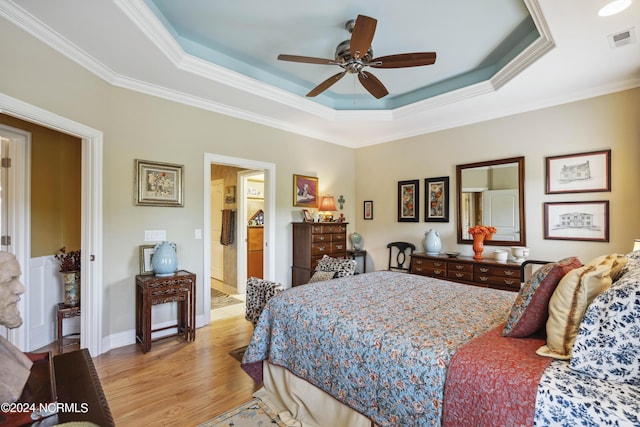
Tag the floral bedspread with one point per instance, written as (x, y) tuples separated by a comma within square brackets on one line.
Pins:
[(378, 342)]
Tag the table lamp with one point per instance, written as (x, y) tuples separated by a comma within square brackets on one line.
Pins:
[(327, 204)]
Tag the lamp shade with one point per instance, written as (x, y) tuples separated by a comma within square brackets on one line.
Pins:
[(636, 245), (327, 204)]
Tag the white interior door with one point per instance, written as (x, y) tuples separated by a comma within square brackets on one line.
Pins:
[(217, 250), (500, 209)]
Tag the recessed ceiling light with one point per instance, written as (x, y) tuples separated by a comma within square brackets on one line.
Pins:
[(614, 7)]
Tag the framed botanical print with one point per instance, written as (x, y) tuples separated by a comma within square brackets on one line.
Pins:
[(582, 221), (158, 184), (305, 191), (579, 173), (368, 209), (436, 191), (408, 200)]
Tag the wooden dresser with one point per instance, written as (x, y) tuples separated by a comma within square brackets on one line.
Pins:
[(313, 240), (464, 269)]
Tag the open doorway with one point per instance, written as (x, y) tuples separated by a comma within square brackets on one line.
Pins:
[(91, 228), (234, 259)]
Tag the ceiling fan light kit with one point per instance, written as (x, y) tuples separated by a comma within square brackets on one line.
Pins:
[(355, 54)]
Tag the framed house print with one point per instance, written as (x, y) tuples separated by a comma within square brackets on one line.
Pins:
[(408, 200), (305, 191), (583, 221), (158, 184), (436, 191), (579, 173), (368, 209)]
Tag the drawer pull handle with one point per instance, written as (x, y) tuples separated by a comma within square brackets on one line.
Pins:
[(437, 271), (483, 278), (509, 272), (458, 275), (437, 264), (509, 282), (339, 247), (484, 269), (322, 248), (418, 269), (321, 238), (459, 267)]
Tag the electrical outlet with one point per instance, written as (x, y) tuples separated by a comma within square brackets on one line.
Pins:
[(155, 235), (198, 234)]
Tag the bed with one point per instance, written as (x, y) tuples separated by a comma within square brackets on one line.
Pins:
[(395, 349)]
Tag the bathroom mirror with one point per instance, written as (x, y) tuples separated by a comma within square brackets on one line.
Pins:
[(492, 193)]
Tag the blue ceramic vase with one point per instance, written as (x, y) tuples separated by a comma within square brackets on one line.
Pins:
[(164, 259)]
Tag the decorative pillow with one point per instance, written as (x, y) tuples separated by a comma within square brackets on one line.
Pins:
[(530, 310), (320, 276), (567, 305), (259, 292), (608, 343), (341, 266)]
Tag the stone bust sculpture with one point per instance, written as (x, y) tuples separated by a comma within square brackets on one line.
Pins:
[(14, 365)]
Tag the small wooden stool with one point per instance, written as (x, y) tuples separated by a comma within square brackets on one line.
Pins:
[(65, 312)]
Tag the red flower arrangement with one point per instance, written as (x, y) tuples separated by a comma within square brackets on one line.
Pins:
[(69, 261), (487, 230)]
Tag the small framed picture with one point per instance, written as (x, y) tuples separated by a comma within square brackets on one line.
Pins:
[(146, 253), (368, 209), (158, 184), (306, 216), (408, 200), (436, 191), (579, 173), (583, 221), (305, 191), (230, 194)]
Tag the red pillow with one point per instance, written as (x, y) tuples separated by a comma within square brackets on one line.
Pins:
[(530, 311)]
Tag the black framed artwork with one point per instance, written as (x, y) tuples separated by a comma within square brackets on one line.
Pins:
[(408, 200), (436, 192)]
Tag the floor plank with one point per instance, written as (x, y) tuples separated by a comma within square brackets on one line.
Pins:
[(178, 383)]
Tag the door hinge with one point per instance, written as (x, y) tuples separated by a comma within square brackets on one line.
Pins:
[(5, 162), (5, 240)]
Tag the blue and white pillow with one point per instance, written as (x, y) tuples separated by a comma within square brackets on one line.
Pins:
[(608, 342)]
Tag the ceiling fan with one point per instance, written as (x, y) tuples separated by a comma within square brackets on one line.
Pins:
[(355, 54)]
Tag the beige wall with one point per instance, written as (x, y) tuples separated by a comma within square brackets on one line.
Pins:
[(611, 121), (56, 160), (140, 126)]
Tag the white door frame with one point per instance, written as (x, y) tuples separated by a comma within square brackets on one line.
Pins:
[(269, 217), (91, 292)]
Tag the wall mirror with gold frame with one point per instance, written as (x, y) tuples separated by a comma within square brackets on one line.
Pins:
[(492, 193)]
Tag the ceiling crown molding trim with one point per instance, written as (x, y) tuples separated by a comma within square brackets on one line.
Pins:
[(32, 25), (532, 53)]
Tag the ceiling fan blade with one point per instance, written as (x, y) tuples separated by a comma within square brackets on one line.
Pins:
[(372, 84), (362, 36), (306, 59), (404, 60), (326, 84)]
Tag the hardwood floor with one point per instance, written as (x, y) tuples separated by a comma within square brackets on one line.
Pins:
[(178, 383)]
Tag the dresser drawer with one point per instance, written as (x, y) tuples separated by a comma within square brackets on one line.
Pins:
[(338, 248), (460, 275), (509, 283), (498, 271), (321, 248), (321, 238), (342, 237)]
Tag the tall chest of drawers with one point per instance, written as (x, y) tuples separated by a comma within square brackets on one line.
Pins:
[(313, 240), (486, 273)]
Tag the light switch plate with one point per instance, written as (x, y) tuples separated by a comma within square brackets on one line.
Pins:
[(198, 234)]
